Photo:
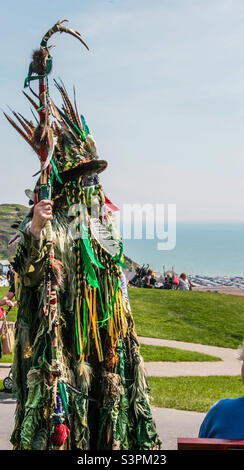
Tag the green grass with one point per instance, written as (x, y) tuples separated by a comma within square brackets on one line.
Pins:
[(165, 354), (193, 393), (7, 358), (199, 317)]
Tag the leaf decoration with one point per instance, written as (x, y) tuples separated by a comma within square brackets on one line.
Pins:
[(104, 237)]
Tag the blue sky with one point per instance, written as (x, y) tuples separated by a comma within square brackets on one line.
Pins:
[(162, 89)]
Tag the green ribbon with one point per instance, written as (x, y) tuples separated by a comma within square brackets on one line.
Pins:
[(72, 125), (55, 171), (84, 125), (88, 268), (118, 261), (85, 239), (111, 304), (64, 398), (117, 258), (29, 77)]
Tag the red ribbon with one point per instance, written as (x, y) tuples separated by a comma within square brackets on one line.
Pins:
[(110, 205)]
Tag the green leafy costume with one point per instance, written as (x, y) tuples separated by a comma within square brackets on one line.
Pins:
[(78, 375)]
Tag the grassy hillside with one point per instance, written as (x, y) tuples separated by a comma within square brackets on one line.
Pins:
[(198, 317), (9, 213), (130, 264)]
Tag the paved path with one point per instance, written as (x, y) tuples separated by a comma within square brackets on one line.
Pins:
[(7, 409), (229, 364), (170, 423)]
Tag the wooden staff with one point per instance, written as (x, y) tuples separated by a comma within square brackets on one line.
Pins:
[(45, 189)]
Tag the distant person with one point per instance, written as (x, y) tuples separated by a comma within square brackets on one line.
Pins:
[(168, 281), (7, 299), (175, 282), (11, 278), (153, 280), (147, 280), (183, 282), (225, 418)]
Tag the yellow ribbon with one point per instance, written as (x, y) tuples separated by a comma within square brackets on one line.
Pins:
[(79, 333), (124, 328), (92, 319)]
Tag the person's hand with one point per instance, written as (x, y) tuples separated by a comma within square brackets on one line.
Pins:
[(42, 213), (9, 303)]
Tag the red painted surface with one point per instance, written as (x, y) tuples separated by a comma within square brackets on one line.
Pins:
[(209, 444)]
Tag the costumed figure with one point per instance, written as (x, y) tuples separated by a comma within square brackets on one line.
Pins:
[(78, 375)]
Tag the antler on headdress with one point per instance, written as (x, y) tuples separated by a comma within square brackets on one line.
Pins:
[(40, 67), (57, 28)]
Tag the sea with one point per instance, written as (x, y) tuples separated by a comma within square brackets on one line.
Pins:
[(208, 249)]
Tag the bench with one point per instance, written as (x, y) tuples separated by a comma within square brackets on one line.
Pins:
[(208, 444)]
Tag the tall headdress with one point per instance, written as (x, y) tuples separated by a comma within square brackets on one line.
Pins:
[(61, 138)]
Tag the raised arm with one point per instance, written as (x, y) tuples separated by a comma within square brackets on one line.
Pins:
[(30, 257)]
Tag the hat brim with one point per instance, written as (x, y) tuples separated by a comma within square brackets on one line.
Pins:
[(82, 169)]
